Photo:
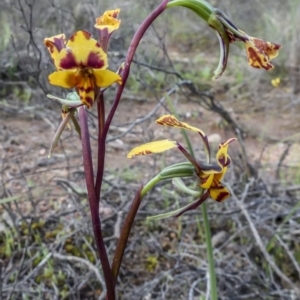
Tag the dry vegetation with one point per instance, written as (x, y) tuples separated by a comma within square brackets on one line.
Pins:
[(46, 244)]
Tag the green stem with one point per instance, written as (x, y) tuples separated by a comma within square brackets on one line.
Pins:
[(209, 247), (202, 8), (210, 254), (234, 30), (150, 185)]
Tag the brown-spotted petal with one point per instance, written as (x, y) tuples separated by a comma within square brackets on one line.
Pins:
[(86, 90), (82, 51), (211, 178), (54, 45), (153, 147), (172, 121), (270, 49), (260, 53), (219, 193), (108, 21)]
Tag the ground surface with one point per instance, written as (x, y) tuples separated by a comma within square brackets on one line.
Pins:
[(161, 256)]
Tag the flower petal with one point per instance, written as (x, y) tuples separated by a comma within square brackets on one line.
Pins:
[(59, 131), (209, 168), (219, 193), (153, 147), (82, 51), (86, 91), (192, 205), (206, 181), (190, 158), (169, 120), (54, 45), (218, 177), (57, 41), (223, 158), (105, 78), (65, 78), (224, 43), (72, 99), (108, 21), (180, 211), (260, 52), (270, 49)]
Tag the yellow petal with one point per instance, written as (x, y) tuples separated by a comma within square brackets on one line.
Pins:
[(82, 51), (54, 45), (219, 193), (65, 78), (109, 21), (105, 78), (153, 147), (169, 120), (223, 158), (218, 177), (260, 53), (206, 181)]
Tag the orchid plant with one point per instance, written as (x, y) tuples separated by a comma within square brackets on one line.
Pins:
[(81, 64), (209, 174)]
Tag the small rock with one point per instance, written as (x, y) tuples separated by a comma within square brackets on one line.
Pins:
[(117, 144), (214, 138), (219, 238), (106, 211), (188, 114), (233, 247), (42, 152)]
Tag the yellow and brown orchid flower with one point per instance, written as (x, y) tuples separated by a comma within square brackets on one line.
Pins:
[(259, 52), (81, 63), (106, 25), (210, 175)]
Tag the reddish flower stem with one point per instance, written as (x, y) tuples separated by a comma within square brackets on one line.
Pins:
[(94, 204), (101, 145), (124, 235)]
